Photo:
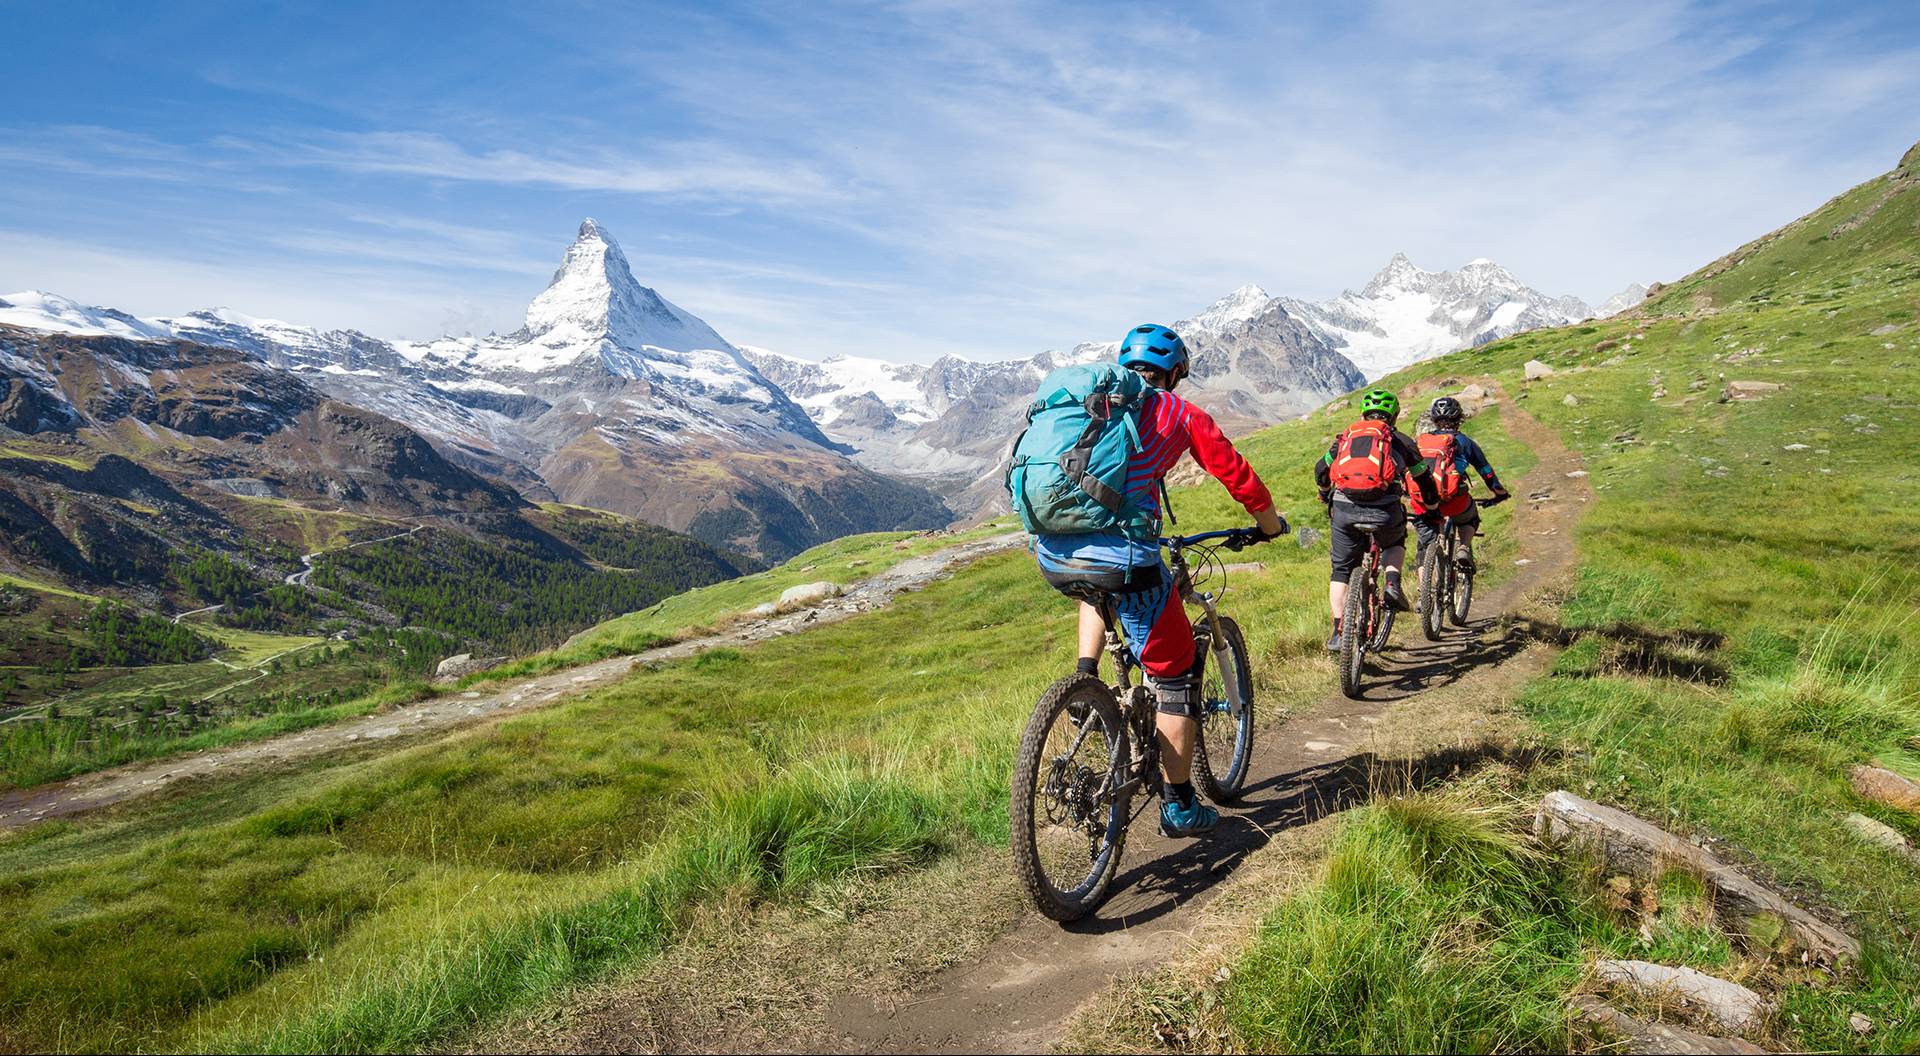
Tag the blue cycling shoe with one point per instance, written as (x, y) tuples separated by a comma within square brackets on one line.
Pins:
[(1177, 821)]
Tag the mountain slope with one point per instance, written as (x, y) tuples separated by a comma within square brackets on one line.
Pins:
[(121, 460), (609, 396), (1405, 314), (953, 421)]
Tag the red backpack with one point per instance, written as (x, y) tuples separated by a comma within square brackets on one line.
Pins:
[(1442, 452), (1363, 460)]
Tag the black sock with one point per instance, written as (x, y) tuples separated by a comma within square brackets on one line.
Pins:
[(1177, 792), (1088, 665), (1336, 625), (1393, 578)]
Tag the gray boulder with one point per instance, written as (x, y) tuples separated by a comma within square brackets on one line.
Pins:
[(457, 667), (807, 595), (1732, 1006)]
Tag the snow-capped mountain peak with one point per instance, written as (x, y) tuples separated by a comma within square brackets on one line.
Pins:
[(1236, 307), (1399, 274), (1625, 299), (592, 299), (39, 310), (1405, 313)]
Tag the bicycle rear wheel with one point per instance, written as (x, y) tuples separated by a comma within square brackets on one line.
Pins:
[(1432, 604), (1355, 627), (1068, 801), (1383, 616), (1224, 748)]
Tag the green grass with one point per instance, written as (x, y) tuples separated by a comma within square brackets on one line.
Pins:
[(1744, 618), (841, 561), (1435, 927), (42, 455), (105, 726), (308, 529), (7, 579), (383, 902)]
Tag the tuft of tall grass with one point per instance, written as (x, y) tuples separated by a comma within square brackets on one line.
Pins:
[(1435, 927), (811, 825), (1850, 693)]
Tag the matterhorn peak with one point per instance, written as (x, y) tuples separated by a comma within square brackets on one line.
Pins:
[(594, 297)]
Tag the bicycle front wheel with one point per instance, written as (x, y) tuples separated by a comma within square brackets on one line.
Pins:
[(1224, 747), (1069, 798), (1462, 595)]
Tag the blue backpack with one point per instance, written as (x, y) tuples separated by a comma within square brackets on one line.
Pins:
[(1069, 470)]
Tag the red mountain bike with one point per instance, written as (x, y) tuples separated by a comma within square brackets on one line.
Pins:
[(1367, 612)]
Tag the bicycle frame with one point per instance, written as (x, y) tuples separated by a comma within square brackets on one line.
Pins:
[(1377, 608), (1136, 706)]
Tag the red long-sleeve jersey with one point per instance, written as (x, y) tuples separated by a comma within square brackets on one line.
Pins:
[(1170, 427)]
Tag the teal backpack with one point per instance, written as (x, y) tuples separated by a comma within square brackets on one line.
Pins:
[(1069, 470)]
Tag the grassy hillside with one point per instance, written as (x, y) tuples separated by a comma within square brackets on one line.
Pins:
[(381, 902), (1742, 631), (387, 599)]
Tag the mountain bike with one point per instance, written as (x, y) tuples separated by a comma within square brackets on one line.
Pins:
[(1367, 610), (1446, 588), (1090, 746)]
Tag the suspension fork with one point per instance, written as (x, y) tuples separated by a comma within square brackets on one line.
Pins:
[(1216, 636)]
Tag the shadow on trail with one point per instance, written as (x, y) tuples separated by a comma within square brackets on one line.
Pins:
[(1416, 665), (1689, 654), (1170, 873)]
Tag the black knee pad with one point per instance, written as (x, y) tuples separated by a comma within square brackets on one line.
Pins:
[(1179, 695)]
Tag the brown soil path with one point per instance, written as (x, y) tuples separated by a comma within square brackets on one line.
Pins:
[(23, 807), (1018, 994)]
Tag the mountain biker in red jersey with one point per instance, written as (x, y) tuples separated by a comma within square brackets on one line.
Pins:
[(1446, 414), (1360, 480), (1131, 571)]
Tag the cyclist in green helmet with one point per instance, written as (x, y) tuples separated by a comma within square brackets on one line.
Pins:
[(1360, 480)]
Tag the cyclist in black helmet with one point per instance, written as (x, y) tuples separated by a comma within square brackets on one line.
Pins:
[(1446, 414)]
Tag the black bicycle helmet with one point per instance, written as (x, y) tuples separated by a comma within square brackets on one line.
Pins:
[(1446, 409)]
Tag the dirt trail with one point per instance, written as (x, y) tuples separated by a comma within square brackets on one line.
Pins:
[(1019, 994), (23, 807)]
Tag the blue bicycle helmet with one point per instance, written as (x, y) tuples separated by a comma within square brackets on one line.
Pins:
[(1155, 346)]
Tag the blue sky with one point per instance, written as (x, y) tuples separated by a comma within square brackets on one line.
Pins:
[(905, 180)]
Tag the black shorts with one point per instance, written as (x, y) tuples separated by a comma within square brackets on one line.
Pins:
[(1468, 519), (1349, 543)]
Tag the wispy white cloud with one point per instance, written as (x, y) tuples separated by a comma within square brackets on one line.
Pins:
[(683, 169)]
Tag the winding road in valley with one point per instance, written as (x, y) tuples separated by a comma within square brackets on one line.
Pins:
[(299, 579)]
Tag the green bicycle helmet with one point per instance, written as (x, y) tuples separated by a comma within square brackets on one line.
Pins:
[(1380, 400)]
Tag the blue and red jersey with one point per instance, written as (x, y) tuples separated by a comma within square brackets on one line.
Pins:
[(1170, 427)]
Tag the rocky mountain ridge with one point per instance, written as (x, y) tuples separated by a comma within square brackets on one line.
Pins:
[(609, 396)]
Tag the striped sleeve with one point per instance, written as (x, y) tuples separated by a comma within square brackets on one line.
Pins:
[(1216, 455)]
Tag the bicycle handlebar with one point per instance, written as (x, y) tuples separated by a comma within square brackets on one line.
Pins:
[(1235, 538)]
